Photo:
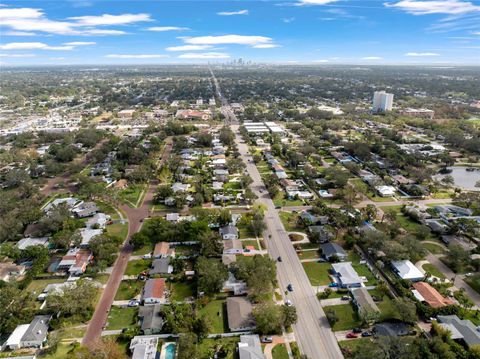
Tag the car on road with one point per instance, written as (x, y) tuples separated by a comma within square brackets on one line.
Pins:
[(290, 288), (279, 259), (333, 284), (345, 297), (278, 207), (288, 303), (351, 335), (367, 334), (266, 339)]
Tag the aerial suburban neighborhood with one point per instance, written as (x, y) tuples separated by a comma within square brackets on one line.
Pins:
[(228, 211)]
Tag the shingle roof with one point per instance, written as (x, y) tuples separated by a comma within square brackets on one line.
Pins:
[(151, 318), (37, 330), (431, 295), (154, 288), (364, 300), (468, 332), (239, 313)]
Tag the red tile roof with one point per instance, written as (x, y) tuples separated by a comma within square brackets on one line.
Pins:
[(431, 295)]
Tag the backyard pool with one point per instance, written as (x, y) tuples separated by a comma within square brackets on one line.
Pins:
[(168, 351)]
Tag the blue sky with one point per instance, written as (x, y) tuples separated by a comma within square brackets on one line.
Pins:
[(277, 31)]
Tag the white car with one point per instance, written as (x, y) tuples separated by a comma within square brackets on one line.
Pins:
[(147, 256), (288, 303), (133, 303)]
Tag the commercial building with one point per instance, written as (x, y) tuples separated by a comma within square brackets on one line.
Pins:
[(382, 101)]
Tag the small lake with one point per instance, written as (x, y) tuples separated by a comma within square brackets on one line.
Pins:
[(463, 178)]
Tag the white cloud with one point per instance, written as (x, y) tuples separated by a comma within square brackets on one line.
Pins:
[(141, 56), (30, 20), (371, 58), (18, 33), (476, 33), (107, 19), (32, 46), (228, 39), (188, 48), (167, 28), (420, 54), (288, 20), (57, 58), (230, 13), (80, 43), (452, 7), (265, 46), (204, 55), (316, 2), (320, 61), (17, 55)]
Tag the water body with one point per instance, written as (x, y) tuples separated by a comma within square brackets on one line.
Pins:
[(463, 178)]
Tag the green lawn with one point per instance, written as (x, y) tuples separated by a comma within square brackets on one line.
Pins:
[(120, 318), (386, 306), (474, 282), (132, 194), (142, 250), (60, 353), (208, 347), (279, 351), (361, 269), (181, 290), (347, 317), (216, 312), (308, 254), (308, 245), (244, 231), (118, 229), (280, 200), (252, 243), (433, 248), (290, 221), (137, 266), (232, 185), (352, 345), (317, 272), (430, 268), (38, 285), (128, 289)]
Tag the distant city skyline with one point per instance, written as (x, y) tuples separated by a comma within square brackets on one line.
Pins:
[(89, 32)]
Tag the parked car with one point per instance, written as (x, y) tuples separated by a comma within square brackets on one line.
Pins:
[(356, 330), (367, 334), (345, 297), (290, 288), (147, 256), (133, 303), (333, 284), (469, 274), (352, 335), (288, 303), (278, 207), (279, 259), (266, 339)]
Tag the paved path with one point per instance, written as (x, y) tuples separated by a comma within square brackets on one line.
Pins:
[(135, 219), (459, 282), (333, 301)]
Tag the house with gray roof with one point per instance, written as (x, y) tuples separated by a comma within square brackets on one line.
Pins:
[(229, 232), (462, 330), (320, 233), (363, 300), (330, 250), (161, 266), (346, 275), (239, 314), (151, 321), (36, 334), (249, 347)]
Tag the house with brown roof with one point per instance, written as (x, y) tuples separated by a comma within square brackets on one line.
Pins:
[(75, 262), (239, 314), (154, 291), (162, 250), (9, 270), (121, 184), (424, 292)]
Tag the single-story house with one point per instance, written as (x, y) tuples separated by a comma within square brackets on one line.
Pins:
[(346, 274), (363, 300), (87, 234), (321, 233), (180, 187), (436, 225), (333, 249), (228, 259), (70, 202), (249, 347), (239, 314), (154, 291), (232, 284), (229, 232), (32, 241), (161, 266), (33, 335), (99, 220), (388, 329), (325, 194), (151, 322), (232, 246), (172, 217), (463, 331), (385, 191), (144, 347), (424, 292), (75, 261), (162, 249), (407, 270), (84, 210)]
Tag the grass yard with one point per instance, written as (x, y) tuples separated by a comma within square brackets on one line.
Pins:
[(252, 243), (317, 273), (430, 268), (133, 194), (386, 306), (137, 266), (352, 345), (307, 245), (60, 353), (186, 250), (279, 351), (434, 248), (118, 229), (207, 348), (347, 317), (216, 312), (180, 291), (474, 282), (38, 285), (244, 231), (290, 221), (120, 318), (142, 250), (280, 200), (308, 254), (128, 289)]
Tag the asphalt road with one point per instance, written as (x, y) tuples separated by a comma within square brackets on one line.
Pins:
[(135, 219), (312, 331)]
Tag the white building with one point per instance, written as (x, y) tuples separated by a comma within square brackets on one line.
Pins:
[(382, 101), (407, 270)]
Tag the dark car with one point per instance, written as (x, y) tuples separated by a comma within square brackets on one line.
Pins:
[(351, 335), (367, 334), (278, 207), (356, 330), (279, 259), (266, 340), (290, 288)]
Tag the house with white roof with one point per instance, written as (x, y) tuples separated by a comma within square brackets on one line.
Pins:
[(406, 270), (347, 276)]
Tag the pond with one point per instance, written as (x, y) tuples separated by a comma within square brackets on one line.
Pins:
[(463, 178)]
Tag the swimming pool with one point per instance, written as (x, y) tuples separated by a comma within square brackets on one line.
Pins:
[(168, 351)]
